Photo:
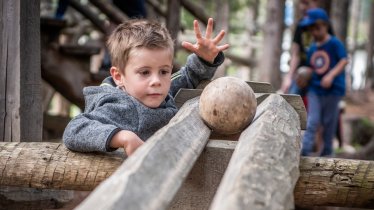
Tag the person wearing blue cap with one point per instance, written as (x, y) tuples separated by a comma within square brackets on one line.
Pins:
[(328, 58)]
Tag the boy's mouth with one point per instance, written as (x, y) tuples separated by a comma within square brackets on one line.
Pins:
[(154, 94)]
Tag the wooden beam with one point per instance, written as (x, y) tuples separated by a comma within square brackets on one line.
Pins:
[(294, 100), (86, 12), (52, 166), (20, 80), (173, 20), (157, 7), (150, 178), (195, 10), (264, 167), (110, 10)]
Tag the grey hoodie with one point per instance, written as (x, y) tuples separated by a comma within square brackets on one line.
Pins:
[(109, 109)]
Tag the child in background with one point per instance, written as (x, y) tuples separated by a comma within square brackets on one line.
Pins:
[(137, 100), (327, 57)]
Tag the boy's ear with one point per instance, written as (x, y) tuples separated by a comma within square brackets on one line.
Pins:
[(116, 75)]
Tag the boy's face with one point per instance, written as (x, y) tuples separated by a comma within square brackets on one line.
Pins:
[(319, 31), (147, 75)]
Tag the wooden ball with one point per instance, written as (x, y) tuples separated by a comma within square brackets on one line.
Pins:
[(227, 105)]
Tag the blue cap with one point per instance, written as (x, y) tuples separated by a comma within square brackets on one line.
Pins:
[(314, 15)]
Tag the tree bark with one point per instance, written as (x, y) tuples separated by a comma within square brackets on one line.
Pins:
[(335, 182), (272, 44), (264, 167), (339, 19), (369, 50)]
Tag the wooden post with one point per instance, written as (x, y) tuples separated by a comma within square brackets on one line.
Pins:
[(264, 167), (269, 66), (173, 20), (340, 18), (150, 178), (20, 77)]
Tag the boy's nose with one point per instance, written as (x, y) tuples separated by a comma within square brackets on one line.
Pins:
[(155, 81)]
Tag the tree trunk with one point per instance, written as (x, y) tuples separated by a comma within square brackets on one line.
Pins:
[(20, 80), (339, 19), (369, 50), (272, 44), (264, 167), (326, 5)]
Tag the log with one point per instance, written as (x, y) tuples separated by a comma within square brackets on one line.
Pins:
[(150, 178), (264, 167), (53, 166), (335, 182), (58, 168), (294, 100)]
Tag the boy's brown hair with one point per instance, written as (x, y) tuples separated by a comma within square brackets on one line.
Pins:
[(134, 34)]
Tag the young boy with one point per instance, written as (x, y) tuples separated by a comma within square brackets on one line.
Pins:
[(137, 100), (327, 57)]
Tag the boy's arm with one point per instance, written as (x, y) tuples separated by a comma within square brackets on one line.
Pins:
[(329, 77), (95, 130), (208, 56), (196, 69), (341, 54)]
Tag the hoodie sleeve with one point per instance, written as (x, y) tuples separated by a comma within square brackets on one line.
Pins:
[(196, 69), (93, 130)]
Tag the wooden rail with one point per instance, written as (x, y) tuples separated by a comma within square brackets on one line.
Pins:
[(164, 162), (264, 167), (151, 177)]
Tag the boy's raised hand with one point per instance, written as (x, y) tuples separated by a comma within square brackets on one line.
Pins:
[(206, 47)]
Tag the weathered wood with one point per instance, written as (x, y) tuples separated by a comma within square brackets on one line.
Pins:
[(52, 166), (150, 178), (264, 167), (20, 81), (335, 182), (294, 100)]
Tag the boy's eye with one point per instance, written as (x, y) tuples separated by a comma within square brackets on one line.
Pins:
[(144, 73), (165, 71)]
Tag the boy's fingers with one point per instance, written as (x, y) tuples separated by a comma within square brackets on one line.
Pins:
[(219, 37), (188, 46), (223, 47), (209, 29), (197, 29)]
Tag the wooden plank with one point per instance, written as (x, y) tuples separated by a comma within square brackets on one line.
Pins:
[(21, 102), (150, 178), (294, 100), (52, 166), (264, 167), (173, 19)]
